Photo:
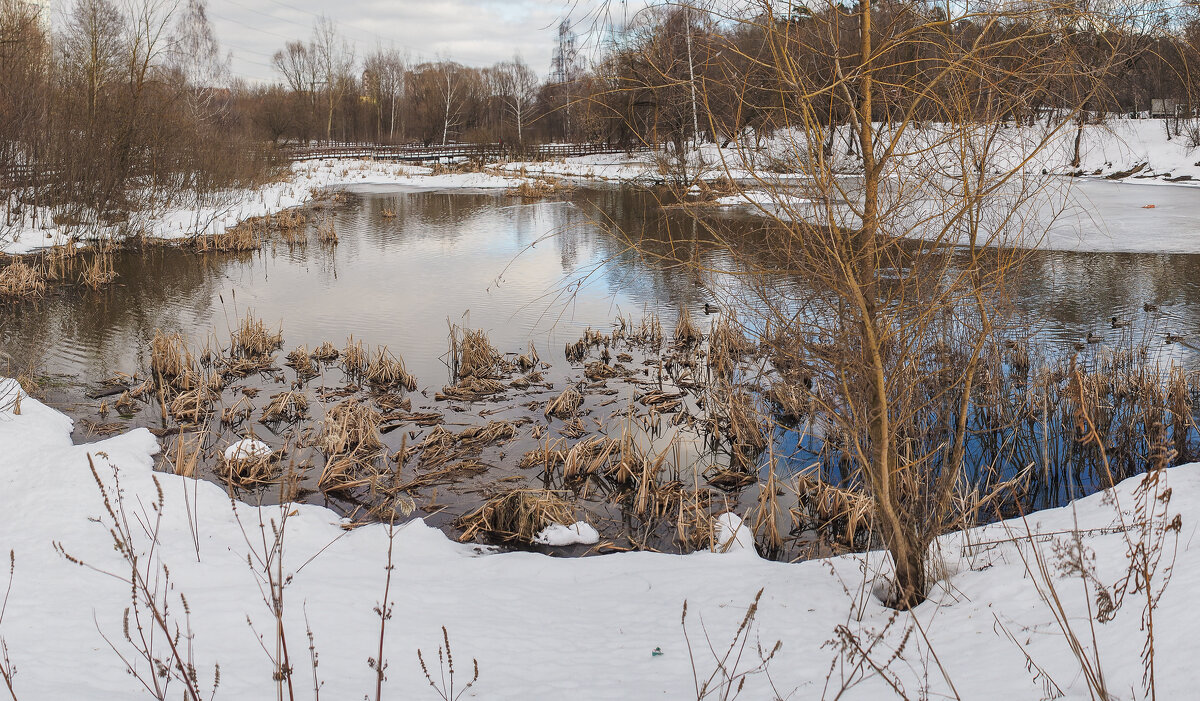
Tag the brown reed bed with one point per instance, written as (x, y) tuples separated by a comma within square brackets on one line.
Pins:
[(354, 359), (18, 279), (303, 363), (252, 339), (516, 516), (245, 236), (565, 405), (326, 232), (686, 331), (170, 358), (386, 372), (285, 407)]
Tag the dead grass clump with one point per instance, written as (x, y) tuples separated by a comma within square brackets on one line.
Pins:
[(354, 358), (348, 428), (99, 272), (125, 404), (349, 439), (325, 353), (20, 280), (470, 389), (737, 418), (727, 345), (791, 401), (239, 411), (845, 515), (491, 432), (598, 370), (591, 456), (245, 236), (552, 454), (537, 189), (302, 362), (386, 372), (528, 361), (192, 406), (290, 225), (473, 355), (516, 516), (169, 356), (285, 407), (576, 352), (686, 332), (565, 405), (252, 339), (326, 233), (248, 471)]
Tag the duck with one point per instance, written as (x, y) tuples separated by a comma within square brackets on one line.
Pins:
[(1119, 323), (1172, 338), (1147, 307), (1093, 338), (1078, 346), (711, 308)]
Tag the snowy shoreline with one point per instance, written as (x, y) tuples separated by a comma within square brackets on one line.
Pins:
[(543, 627), (1139, 213)]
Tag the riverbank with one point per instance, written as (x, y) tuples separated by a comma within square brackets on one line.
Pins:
[(221, 212), (543, 627)]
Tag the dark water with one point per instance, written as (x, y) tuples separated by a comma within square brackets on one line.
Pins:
[(524, 272), (539, 272)]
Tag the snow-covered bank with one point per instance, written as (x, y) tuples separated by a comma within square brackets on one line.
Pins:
[(306, 178), (540, 627)]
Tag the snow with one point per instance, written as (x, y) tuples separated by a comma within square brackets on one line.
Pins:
[(546, 627), (247, 448), (222, 211), (733, 535), (1096, 214), (578, 533)]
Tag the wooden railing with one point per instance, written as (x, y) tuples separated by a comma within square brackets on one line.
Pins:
[(535, 152)]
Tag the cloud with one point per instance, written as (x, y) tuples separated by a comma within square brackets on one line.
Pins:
[(472, 32)]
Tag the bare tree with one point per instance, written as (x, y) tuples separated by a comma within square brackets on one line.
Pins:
[(516, 86), (334, 62)]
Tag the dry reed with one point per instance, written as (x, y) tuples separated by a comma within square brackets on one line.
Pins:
[(516, 516)]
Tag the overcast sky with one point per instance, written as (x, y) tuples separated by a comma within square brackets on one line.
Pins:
[(473, 32)]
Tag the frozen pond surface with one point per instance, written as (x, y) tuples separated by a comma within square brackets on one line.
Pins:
[(1116, 217)]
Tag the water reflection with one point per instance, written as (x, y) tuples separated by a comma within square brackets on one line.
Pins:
[(539, 271)]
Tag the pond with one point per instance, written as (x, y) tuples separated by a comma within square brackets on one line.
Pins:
[(410, 264)]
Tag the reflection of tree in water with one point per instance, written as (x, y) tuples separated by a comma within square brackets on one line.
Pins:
[(101, 332)]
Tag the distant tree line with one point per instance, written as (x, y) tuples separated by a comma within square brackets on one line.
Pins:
[(125, 106), (135, 101)]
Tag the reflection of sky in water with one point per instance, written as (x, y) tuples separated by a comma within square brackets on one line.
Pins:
[(510, 266)]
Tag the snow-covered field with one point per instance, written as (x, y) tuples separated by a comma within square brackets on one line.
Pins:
[(544, 627)]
